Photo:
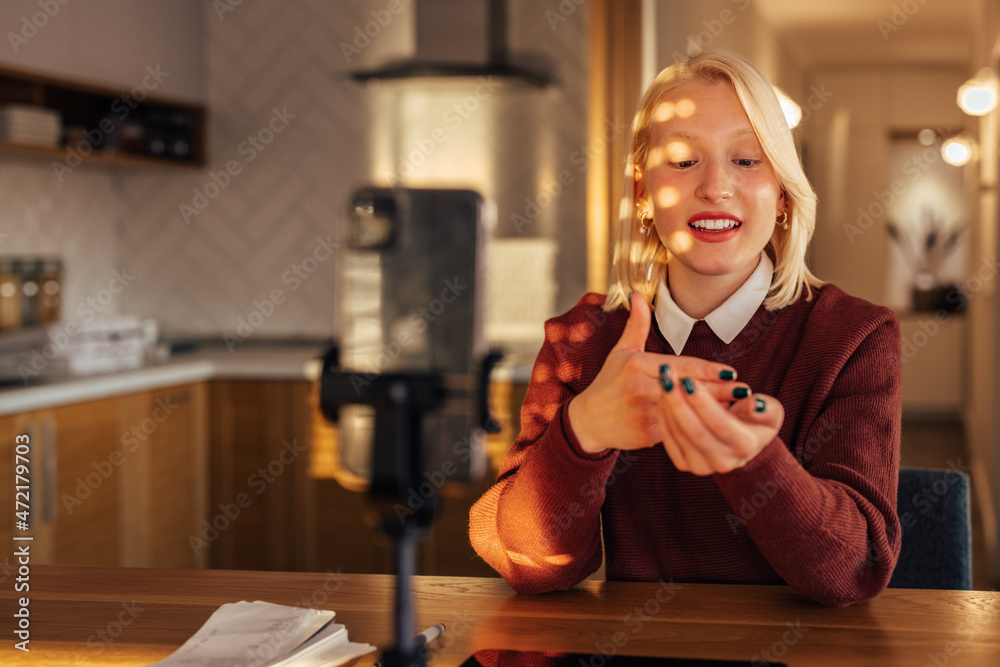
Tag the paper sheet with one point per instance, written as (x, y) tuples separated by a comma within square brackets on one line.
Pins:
[(261, 634)]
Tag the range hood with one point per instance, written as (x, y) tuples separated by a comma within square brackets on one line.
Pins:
[(458, 38)]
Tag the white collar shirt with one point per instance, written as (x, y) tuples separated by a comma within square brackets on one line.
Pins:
[(726, 321)]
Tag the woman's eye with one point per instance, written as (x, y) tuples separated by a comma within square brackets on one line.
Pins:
[(747, 162), (683, 164)]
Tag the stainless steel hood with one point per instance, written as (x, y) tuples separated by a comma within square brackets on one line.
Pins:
[(458, 38)]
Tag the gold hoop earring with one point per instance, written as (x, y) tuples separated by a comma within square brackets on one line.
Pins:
[(783, 223), (645, 222)]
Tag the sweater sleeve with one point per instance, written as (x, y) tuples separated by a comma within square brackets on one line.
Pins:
[(828, 525), (539, 526)]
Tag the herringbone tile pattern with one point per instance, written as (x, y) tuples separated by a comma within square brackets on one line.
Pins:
[(77, 219), (287, 126), (208, 247)]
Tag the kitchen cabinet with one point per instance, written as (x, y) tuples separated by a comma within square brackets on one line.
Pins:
[(73, 498), (6, 495), (345, 535), (164, 479), (233, 474), (116, 481), (303, 518), (261, 499)]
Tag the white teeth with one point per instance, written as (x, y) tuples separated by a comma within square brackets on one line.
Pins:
[(715, 224)]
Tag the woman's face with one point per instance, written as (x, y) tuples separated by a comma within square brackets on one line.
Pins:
[(712, 191)]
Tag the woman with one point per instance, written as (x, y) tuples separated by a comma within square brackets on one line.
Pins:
[(751, 433)]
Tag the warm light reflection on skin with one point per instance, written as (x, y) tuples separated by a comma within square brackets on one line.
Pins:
[(676, 151), (663, 112), (685, 108), (657, 156), (707, 158), (667, 196), (681, 242)]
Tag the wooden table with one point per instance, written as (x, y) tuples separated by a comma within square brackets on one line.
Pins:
[(104, 616)]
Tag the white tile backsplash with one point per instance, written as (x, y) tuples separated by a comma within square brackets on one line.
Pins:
[(201, 277), (77, 219)]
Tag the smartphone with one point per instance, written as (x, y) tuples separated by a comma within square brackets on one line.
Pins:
[(411, 299), (488, 658)]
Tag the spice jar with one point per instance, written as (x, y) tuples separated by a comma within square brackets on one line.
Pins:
[(29, 270), (50, 291), (10, 296)]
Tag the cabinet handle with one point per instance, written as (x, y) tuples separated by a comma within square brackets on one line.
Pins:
[(50, 470)]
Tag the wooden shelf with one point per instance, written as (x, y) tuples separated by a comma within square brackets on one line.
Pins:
[(130, 131)]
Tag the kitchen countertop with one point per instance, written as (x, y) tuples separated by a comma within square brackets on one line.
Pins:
[(209, 362)]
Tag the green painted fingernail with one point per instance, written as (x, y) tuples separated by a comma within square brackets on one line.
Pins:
[(668, 384), (759, 404), (688, 385), (665, 369), (741, 392), (727, 375)]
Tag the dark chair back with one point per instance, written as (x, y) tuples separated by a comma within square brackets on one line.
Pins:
[(933, 507)]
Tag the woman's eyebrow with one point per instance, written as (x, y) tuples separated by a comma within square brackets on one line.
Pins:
[(681, 134)]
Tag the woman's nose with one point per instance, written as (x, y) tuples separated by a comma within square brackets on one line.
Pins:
[(715, 185)]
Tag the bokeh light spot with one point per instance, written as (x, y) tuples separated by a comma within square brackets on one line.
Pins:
[(685, 108), (657, 156), (667, 196), (680, 242), (664, 111), (677, 151)]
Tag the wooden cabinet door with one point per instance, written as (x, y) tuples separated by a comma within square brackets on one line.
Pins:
[(163, 485), (7, 564), (76, 449), (261, 495), (116, 481)]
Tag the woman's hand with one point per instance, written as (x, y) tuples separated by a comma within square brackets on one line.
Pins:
[(703, 437), (621, 407)]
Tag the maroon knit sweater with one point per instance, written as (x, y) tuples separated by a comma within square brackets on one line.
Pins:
[(815, 509)]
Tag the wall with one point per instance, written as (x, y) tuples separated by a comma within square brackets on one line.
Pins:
[(849, 164), (79, 219), (82, 216), (109, 42), (983, 410), (684, 29), (207, 274), (251, 244), (245, 241)]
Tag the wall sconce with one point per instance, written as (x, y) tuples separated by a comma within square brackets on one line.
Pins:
[(978, 95), (958, 150), (792, 111)]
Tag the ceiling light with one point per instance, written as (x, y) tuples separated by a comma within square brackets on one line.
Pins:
[(978, 95), (792, 111), (958, 150), (927, 136)]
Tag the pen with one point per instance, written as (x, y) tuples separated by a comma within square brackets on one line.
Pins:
[(430, 634), (425, 637)]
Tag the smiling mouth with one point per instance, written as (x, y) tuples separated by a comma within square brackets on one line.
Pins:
[(720, 225)]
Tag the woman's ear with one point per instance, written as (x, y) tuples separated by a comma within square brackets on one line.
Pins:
[(783, 201), (639, 185)]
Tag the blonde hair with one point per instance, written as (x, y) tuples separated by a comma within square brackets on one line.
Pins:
[(640, 259)]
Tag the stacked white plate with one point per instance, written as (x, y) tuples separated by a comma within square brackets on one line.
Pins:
[(26, 124)]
